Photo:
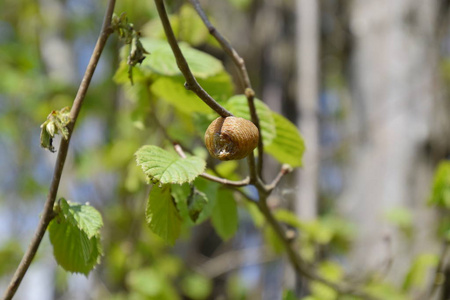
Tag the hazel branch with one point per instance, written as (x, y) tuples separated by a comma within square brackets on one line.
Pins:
[(47, 214), (191, 82), (243, 75)]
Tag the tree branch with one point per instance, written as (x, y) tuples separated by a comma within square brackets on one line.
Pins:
[(243, 75), (47, 214), (191, 82), (255, 171), (297, 262)]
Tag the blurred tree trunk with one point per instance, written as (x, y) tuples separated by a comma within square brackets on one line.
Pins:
[(307, 42), (393, 85)]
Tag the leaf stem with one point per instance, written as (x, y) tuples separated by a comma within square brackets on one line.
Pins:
[(243, 75), (47, 214), (191, 82), (223, 181)]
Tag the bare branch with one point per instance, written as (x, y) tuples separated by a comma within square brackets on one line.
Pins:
[(48, 214), (191, 82), (285, 169)]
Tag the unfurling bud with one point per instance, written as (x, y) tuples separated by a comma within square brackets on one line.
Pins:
[(231, 138)]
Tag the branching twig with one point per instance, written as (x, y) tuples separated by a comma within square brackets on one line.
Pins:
[(191, 82), (220, 180), (255, 171), (47, 214), (243, 75), (285, 169)]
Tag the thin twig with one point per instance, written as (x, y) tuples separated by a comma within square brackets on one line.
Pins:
[(191, 82), (220, 180), (243, 75), (47, 213), (232, 260), (243, 182), (285, 169)]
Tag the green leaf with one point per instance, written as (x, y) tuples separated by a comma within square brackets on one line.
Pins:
[(146, 281), (172, 90), (162, 215), (162, 61), (402, 218), (287, 146), (289, 295), (85, 217), (191, 29), (164, 167), (417, 273), (196, 286), (190, 202), (224, 215), (440, 195), (239, 107), (288, 217), (210, 189), (75, 236), (196, 202)]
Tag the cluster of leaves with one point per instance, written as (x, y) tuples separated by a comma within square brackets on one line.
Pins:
[(129, 36), (178, 192), (179, 198), (56, 122)]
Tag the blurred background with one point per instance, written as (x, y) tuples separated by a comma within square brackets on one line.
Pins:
[(367, 82)]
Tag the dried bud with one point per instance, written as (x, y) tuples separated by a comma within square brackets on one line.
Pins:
[(231, 138)]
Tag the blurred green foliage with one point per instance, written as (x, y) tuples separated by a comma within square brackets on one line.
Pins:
[(118, 118)]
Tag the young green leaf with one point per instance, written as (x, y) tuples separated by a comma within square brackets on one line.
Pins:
[(288, 145), (190, 201), (196, 202), (417, 273), (164, 167), (224, 215), (75, 236), (440, 195), (85, 217), (162, 215), (172, 90), (162, 60), (239, 106)]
